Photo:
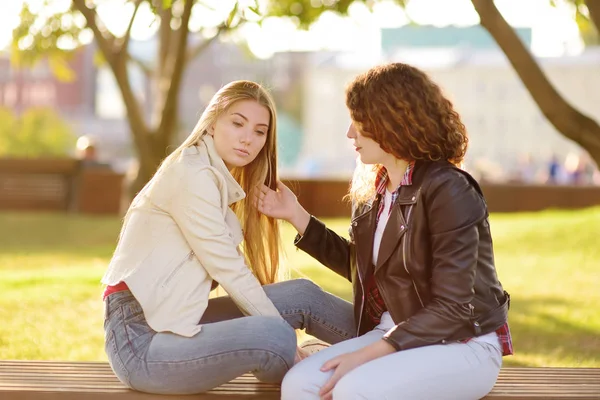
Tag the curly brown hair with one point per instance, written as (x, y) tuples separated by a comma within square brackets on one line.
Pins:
[(406, 113)]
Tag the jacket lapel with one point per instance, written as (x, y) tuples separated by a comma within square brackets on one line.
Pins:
[(397, 225), (207, 149), (364, 232)]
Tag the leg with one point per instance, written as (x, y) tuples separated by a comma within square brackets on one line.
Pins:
[(305, 380), (166, 363), (303, 304), (446, 372)]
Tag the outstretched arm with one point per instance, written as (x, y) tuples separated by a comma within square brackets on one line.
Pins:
[(314, 237)]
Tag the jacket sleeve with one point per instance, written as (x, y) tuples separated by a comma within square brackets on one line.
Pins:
[(454, 210), (197, 208), (327, 247)]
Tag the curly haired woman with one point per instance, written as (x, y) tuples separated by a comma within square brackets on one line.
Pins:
[(430, 313)]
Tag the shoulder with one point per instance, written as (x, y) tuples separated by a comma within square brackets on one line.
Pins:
[(445, 177), (182, 180), (452, 197), (190, 169)]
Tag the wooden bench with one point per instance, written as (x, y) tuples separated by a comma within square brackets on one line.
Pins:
[(47, 380), (59, 184)]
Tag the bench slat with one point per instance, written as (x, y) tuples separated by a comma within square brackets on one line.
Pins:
[(48, 380)]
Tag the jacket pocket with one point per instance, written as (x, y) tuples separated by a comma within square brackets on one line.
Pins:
[(176, 269)]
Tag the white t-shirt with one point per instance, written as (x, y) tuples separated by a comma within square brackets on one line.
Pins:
[(386, 319)]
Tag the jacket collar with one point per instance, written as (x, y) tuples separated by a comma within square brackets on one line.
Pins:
[(208, 153)]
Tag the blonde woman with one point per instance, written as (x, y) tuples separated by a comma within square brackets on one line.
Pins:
[(182, 235)]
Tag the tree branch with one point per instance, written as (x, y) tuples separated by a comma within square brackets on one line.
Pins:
[(127, 36), (176, 67), (106, 44), (200, 47), (564, 117), (147, 70), (164, 39), (594, 9), (104, 39)]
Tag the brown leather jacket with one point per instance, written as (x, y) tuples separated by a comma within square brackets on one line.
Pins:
[(435, 269)]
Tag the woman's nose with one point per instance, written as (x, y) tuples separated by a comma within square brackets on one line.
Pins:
[(350, 133), (246, 137)]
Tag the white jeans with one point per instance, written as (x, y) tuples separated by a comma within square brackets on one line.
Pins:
[(447, 371)]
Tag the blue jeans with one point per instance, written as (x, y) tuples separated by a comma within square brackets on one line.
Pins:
[(229, 344)]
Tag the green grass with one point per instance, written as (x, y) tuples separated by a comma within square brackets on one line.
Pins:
[(50, 305)]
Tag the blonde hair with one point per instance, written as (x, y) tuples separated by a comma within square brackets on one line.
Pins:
[(261, 246)]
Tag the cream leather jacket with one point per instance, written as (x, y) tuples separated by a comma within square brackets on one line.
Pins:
[(179, 236)]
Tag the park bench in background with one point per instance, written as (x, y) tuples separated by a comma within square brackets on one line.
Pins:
[(47, 380), (48, 184), (61, 184)]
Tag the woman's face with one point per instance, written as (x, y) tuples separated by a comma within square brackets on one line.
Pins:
[(240, 133), (369, 150)]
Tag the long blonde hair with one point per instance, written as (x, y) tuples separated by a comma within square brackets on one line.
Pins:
[(261, 245)]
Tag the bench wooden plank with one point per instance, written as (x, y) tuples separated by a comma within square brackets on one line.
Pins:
[(48, 380)]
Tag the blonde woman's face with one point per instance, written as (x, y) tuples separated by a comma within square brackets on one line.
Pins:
[(240, 133)]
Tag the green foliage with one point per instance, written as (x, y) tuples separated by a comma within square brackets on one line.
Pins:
[(51, 36), (588, 31), (305, 12), (36, 133)]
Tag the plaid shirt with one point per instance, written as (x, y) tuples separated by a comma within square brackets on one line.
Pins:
[(374, 304)]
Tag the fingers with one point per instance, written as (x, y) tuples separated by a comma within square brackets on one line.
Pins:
[(264, 189), (258, 196), (281, 186), (327, 389), (255, 198), (327, 396), (334, 362)]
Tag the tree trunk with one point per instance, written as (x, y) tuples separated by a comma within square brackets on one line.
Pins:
[(594, 10), (564, 117), (148, 162)]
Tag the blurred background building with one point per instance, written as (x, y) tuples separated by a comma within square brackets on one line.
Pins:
[(510, 140)]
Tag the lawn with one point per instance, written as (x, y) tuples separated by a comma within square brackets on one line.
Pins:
[(50, 304)]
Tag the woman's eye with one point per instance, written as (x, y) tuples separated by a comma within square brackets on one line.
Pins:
[(261, 133), (237, 123)]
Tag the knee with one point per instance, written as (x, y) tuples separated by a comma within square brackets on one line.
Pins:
[(299, 383), (291, 384), (281, 338), (276, 350), (306, 284), (305, 287)]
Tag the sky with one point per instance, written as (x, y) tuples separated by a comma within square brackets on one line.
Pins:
[(554, 30)]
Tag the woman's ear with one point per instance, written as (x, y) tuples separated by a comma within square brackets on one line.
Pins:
[(211, 130)]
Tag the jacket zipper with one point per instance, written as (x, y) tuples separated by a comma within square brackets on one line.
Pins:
[(362, 287), (177, 268), (404, 258), (362, 300)]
